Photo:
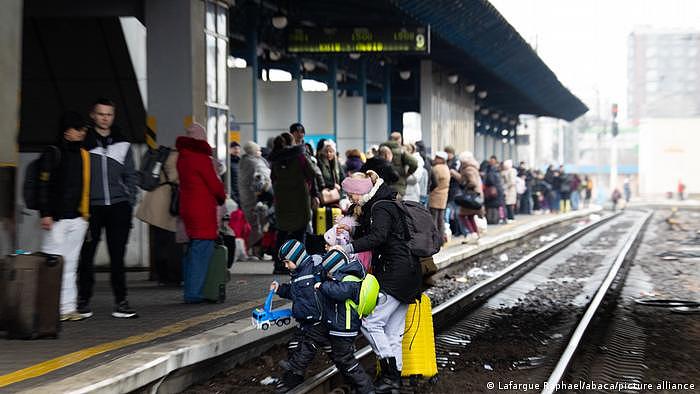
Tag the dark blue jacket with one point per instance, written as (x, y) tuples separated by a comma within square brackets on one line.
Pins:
[(335, 293), (307, 306)]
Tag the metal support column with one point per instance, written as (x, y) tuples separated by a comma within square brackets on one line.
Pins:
[(333, 79), (362, 80), (253, 60), (387, 97), (299, 76), (485, 137)]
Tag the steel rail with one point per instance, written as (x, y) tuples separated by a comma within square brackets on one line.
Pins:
[(475, 295), (563, 364)]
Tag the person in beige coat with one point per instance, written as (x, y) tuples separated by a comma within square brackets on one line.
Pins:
[(470, 180), (154, 209), (437, 201), (508, 174)]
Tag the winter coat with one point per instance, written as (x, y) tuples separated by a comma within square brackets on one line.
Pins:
[(382, 231), (492, 178), (331, 172), (417, 183), (441, 181), (253, 178), (383, 168), (335, 293), (63, 189), (292, 180), (307, 305), (113, 173), (201, 190), (403, 163), (471, 181), (234, 162), (508, 175), (564, 186), (455, 187), (154, 209)]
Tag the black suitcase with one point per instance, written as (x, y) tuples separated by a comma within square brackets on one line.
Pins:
[(33, 295), (4, 277), (492, 216)]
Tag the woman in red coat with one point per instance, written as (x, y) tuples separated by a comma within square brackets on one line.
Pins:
[(201, 191)]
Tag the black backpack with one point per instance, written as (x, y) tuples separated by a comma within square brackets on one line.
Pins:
[(30, 186), (151, 167), (424, 239)]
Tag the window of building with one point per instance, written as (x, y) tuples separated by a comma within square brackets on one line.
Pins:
[(216, 42)]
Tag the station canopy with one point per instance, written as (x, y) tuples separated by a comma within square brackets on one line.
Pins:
[(469, 37)]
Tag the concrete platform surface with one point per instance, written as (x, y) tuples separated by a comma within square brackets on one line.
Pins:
[(108, 355)]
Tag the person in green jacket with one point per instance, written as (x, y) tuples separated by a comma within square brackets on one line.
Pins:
[(402, 161)]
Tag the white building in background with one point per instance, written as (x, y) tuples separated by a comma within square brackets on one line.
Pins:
[(664, 100), (669, 152)]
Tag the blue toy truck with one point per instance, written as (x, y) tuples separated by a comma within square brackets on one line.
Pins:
[(264, 317)]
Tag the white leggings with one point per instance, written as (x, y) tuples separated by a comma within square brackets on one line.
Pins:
[(384, 328)]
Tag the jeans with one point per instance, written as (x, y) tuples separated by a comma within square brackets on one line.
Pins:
[(526, 202), (575, 200), (195, 266)]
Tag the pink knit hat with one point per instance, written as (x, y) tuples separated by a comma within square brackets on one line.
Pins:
[(357, 185), (196, 131)]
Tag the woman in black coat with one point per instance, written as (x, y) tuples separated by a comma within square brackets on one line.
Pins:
[(381, 230)]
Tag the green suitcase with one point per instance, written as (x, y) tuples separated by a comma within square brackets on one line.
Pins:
[(217, 275)]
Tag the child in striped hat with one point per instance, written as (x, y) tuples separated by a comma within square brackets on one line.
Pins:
[(307, 309), (342, 278)]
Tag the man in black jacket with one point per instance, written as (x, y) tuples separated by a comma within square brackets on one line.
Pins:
[(112, 197), (63, 192)]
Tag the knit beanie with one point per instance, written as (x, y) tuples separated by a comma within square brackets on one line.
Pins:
[(333, 260), (293, 251), (353, 164), (197, 131), (357, 185)]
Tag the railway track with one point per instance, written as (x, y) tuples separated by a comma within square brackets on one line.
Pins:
[(468, 316)]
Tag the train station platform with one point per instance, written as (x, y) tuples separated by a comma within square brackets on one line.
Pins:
[(107, 355)]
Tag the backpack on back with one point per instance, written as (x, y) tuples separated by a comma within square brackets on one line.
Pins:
[(30, 186), (151, 167), (367, 300), (424, 239)]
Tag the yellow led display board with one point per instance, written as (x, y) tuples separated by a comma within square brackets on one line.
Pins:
[(359, 39)]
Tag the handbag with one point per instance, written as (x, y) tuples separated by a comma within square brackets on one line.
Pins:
[(330, 196), (469, 200)]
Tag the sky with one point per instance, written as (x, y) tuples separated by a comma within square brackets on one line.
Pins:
[(585, 41)]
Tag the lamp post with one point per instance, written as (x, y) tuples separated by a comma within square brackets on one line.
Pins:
[(613, 149)]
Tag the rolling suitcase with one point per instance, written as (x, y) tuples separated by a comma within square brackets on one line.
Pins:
[(4, 278), (217, 275), (33, 295), (418, 345), (323, 219)]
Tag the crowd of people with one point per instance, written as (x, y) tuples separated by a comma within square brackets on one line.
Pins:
[(88, 181)]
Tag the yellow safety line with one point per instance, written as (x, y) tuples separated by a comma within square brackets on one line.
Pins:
[(76, 357)]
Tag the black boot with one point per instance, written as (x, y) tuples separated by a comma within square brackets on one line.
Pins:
[(390, 379), (289, 381), (361, 382)]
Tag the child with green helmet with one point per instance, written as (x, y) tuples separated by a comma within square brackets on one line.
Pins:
[(349, 294)]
